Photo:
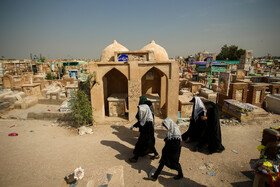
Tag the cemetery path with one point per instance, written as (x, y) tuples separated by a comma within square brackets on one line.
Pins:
[(44, 153)]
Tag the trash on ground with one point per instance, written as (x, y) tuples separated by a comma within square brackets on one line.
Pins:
[(13, 134), (22, 119), (84, 130), (70, 179), (49, 110), (234, 151), (109, 177), (79, 173), (210, 173), (12, 126), (202, 167), (31, 131)]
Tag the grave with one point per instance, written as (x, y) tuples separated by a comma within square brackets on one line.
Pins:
[(117, 105), (257, 94), (194, 86), (185, 106)]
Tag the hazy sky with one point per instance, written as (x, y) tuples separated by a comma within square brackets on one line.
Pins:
[(83, 28)]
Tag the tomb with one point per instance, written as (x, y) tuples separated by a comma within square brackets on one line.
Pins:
[(273, 103), (135, 73), (117, 105), (274, 87), (32, 89), (243, 111), (194, 86), (237, 91), (185, 106), (20, 100), (208, 94), (256, 94)]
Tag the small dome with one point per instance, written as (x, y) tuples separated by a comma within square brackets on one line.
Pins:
[(159, 52), (205, 52), (108, 53)]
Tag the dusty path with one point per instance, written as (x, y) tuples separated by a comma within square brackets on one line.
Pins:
[(44, 156)]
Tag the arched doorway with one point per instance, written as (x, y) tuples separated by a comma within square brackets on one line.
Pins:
[(115, 87), (154, 87)]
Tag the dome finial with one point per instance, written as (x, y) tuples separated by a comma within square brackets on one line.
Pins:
[(115, 42), (152, 42)]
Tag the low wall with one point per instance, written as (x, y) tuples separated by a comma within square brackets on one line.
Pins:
[(50, 116)]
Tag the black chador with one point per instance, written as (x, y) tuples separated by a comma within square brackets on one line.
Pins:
[(212, 134), (146, 140), (197, 124), (172, 149)]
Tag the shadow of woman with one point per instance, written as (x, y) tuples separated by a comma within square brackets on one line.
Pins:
[(182, 182), (171, 182), (125, 134), (143, 163), (192, 147)]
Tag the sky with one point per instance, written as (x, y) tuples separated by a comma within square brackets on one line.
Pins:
[(83, 28)]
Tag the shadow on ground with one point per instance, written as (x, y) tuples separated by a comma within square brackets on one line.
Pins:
[(169, 181), (250, 175), (191, 147), (143, 163)]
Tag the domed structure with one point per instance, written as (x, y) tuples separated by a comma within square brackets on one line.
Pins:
[(108, 53), (159, 52), (205, 52)]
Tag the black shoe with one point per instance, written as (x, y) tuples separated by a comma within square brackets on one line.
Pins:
[(179, 176), (154, 178)]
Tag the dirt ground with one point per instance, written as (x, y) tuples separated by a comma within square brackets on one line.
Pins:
[(44, 153)]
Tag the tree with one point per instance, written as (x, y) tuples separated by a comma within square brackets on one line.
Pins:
[(81, 109), (230, 53)]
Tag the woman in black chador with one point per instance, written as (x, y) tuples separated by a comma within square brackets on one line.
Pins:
[(197, 121), (144, 100), (171, 151), (146, 140), (212, 134)]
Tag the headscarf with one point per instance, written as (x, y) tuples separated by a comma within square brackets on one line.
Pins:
[(145, 114), (173, 131), (142, 100), (198, 107)]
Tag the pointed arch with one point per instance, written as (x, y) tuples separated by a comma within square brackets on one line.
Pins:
[(114, 82)]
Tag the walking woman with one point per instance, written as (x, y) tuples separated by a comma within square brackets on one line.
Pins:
[(212, 134), (146, 140), (172, 149), (144, 100), (197, 121)]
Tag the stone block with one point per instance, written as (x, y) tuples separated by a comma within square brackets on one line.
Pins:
[(117, 105), (185, 106)]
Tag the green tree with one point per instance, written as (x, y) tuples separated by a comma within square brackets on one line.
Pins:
[(230, 52), (88, 84), (81, 109)]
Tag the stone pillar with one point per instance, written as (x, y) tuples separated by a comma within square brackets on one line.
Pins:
[(173, 92), (97, 95), (134, 89), (163, 90)]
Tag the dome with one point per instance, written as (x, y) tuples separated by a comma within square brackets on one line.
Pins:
[(159, 52), (205, 52), (109, 52)]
